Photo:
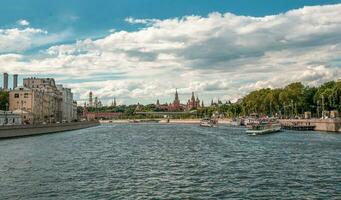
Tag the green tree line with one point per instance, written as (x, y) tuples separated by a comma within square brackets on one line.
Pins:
[(289, 101), (294, 99)]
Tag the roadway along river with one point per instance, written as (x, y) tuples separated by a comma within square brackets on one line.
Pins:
[(171, 162)]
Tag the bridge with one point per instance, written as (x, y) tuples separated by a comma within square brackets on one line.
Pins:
[(192, 112)]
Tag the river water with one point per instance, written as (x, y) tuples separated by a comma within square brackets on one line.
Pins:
[(171, 162)]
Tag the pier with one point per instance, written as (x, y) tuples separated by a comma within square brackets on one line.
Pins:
[(328, 125)]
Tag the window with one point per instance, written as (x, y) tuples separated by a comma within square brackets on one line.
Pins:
[(16, 95), (26, 95)]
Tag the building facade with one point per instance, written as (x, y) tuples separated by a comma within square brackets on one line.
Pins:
[(9, 118), (52, 97), (90, 116), (40, 100), (67, 103), (193, 103), (15, 81), (75, 111), (28, 103), (5, 81), (176, 105)]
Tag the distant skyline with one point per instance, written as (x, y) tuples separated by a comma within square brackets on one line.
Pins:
[(141, 50)]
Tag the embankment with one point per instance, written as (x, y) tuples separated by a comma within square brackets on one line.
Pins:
[(31, 130), (327, 125), (165, 121)]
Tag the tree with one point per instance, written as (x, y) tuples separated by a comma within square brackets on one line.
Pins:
[(4, 100)]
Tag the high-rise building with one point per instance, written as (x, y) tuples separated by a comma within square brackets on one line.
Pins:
[(5, 81), (15, 81)]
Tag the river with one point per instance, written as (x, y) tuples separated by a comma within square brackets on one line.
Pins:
[(151, 161)]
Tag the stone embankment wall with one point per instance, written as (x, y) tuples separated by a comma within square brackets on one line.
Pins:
[(30, 130), (329, 125)]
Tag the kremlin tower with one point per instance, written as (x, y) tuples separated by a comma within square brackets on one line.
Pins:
[(193, 103)]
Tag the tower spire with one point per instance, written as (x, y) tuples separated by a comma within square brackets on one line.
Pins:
[(176, 95)]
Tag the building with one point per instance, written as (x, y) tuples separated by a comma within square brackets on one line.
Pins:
[(28, 103), (9, 118), (113, 103), (176, 105), (41, 100), (5, 81), (95, 102), (100, 115), (15, 81), (74, 111), (193, 103), (52, 97), (67, 104), (90, 99)]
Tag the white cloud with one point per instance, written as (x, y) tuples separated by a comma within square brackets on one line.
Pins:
[(220, 56), (132, 20), (23, 22), (16, 40)]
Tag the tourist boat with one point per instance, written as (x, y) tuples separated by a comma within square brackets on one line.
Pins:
[(236, 122), (263, 127), (206, 122)]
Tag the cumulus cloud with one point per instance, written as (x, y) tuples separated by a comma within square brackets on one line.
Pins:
[(16, 40), (23, 22), (220, 55)]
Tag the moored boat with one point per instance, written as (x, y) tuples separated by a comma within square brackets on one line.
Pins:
[(206, 122)]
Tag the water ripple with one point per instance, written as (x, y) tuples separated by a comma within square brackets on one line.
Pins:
[(171, 162)]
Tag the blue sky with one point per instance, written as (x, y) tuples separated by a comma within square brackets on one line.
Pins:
[(117, 48)]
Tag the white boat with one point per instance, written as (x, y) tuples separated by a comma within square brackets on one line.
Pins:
[(263, 127), (236, 122), (207, 123)]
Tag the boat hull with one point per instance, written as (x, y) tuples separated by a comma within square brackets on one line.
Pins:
[(207, 125), (263, 131)]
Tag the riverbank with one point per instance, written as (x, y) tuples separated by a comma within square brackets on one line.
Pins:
[(163, 121), (31, 130)]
